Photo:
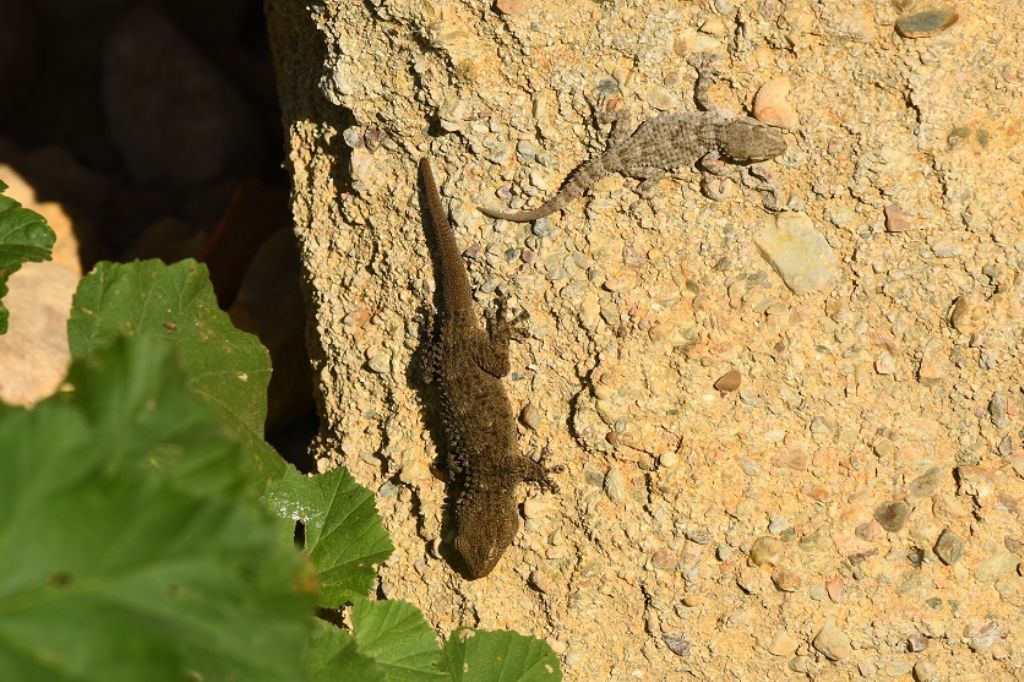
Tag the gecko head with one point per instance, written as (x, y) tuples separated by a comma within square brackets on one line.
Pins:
[(747, 140), (487, 526)]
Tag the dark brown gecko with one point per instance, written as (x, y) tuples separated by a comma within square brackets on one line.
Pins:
[(467, 363), (666, 142)]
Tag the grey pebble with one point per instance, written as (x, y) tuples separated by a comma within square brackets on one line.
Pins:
[(892, 515), (949, 547), (997, 409), (614, 486), (925, 23), (677, 643), (917, 643), (926, 483)]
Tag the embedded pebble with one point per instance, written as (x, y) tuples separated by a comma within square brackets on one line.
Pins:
[(766, 550), (664, 559), (836, 588), (885, 363), (926, 23), (786, 580), (798, 252), (997, 409), (832, 642), (677, 643), (895, 219), (867, 669), (512, 7), (783, 644), (927, 483), (892, 515), (614, 486), (945, 248), (542, 582), (728, 382), (986, 636), (917, 643), (771, 106), (996, 567), (931, 370), (925, 671), (530, 416)]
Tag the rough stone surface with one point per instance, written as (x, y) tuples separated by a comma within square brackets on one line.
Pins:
[(798, 252), (832, 642), (637, 307)]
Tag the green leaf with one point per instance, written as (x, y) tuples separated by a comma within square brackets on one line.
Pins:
[(331, 656), (175, 304), (398, 638), (24, 237), (344, 533), (126, 549), (487, 656)]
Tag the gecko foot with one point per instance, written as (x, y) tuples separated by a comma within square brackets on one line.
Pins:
[(502, 326), (761, 181), (539, 472)]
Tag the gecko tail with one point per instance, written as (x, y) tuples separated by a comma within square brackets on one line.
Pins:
[(582, 178)]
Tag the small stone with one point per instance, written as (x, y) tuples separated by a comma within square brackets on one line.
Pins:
[(996, 567), (892, 515), (380, 363), (798, 252), (664, 559), (614, 486), (766, 550), (786, 580), (783, 644), (997, 409), (728, 382), (677, 643), (895, 219), (986, 636), (885, 363), (931, 370), (542, 582), (513, 7), (771, 106), (946, 248), (836, 588), (926, 23), (832, 642), (530, 417), (926, 483), (925, 671), (966, 315), (867, 669), (917, 643)]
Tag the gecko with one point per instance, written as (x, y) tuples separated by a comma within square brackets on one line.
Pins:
[(467, 362), (666, 142)]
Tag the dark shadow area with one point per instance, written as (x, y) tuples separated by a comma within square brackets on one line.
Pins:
[(153, 130)]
